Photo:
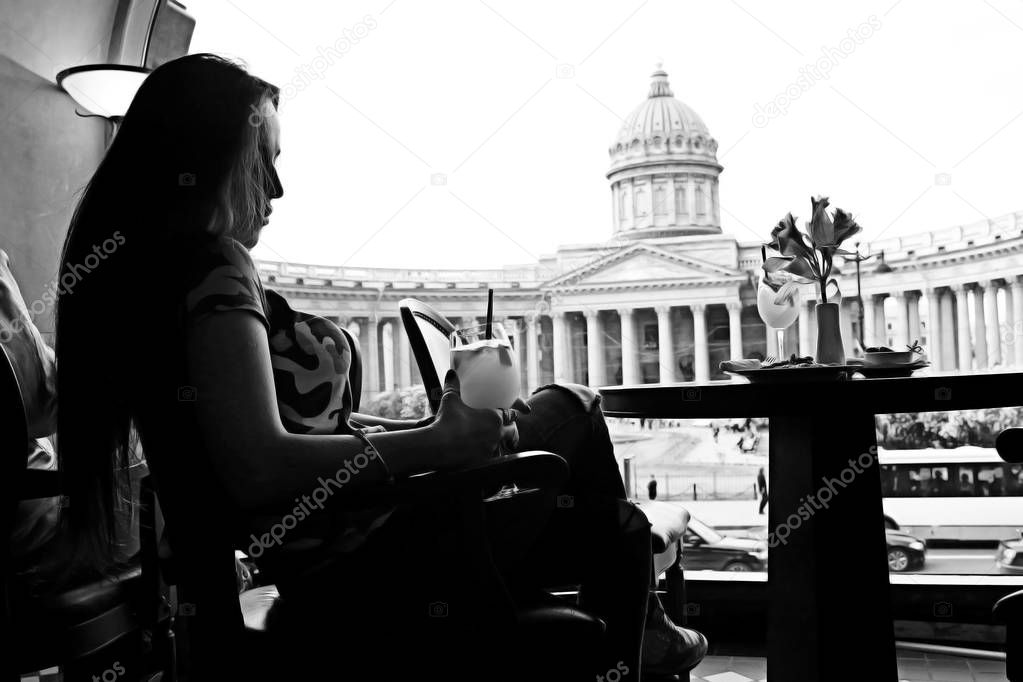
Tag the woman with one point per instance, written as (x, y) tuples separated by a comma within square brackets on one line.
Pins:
[(168, 337)]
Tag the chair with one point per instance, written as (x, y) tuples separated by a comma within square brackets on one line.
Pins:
[(83, 629), (224, 635), (429, 333), (1009, 609)]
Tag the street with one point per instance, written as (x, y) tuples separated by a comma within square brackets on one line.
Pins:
[(968, 561)]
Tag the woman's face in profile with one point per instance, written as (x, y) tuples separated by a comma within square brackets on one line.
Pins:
[(272, 188)]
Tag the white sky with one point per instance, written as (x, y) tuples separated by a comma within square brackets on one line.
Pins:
[(470, 89)]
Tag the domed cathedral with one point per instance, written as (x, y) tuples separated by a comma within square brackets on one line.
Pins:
[(664, 169), (669, 296)]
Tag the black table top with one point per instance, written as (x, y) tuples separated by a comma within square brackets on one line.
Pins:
[(936, 392)]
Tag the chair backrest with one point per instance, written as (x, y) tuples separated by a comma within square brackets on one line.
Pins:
[(429, 335), (13, 443)]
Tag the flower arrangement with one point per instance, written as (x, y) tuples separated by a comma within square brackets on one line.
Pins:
[(807, 258)]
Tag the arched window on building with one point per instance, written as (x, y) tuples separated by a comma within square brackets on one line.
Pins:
[(701, 201), (660, 199), (623, 202), (681, 200), (641, 203)]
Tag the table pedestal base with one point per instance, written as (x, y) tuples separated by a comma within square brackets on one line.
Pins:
[(826, 530)]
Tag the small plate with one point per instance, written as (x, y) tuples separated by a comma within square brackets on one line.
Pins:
[(892, 371), (797, 374)]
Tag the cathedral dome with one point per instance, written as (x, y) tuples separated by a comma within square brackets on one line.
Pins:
[(662, 128), (664, 169)]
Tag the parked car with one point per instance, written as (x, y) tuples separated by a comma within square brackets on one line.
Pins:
[(905, 552), (1009, 557), (704, 549)]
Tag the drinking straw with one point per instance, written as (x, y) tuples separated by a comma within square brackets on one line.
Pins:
[(490, 313)]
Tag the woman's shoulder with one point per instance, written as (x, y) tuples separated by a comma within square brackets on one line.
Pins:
[(223, 276)]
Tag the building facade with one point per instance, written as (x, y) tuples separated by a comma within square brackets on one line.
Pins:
[(670, 296)]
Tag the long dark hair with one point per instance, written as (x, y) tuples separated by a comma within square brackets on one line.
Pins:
[(189, 164)]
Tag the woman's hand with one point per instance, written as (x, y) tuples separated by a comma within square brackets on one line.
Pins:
[(469, 435)]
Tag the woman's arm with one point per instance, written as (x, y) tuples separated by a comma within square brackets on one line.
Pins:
[(262, 464), (390, 424)]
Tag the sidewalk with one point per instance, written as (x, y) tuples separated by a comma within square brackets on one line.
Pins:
[(725, 514)]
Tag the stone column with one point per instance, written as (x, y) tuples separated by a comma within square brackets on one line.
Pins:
[(1008, 324), (804, 330), (880, 323), (387, 348), (594, 348), (962, 295), (665, 345), (513, 329), (404, 357), (869, 321), (701, 360), (532, 364), (948, 332), (846, 313), (630, 354), (912, 316), (901, 336), (994, 330), (934, 323), (979, 328), (560, 350), (371, 373), (691, 198), (734, 329), (1017, 315)]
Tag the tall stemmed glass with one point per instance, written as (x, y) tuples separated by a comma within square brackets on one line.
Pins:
[(778, 305)]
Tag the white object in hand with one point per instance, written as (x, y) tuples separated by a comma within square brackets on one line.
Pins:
[(487, 372)]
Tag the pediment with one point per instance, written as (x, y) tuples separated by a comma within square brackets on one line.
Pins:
[(642, 264)]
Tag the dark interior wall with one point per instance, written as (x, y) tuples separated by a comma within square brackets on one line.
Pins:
[(47, 153)]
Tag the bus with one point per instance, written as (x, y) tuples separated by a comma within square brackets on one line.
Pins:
[(964, 493)]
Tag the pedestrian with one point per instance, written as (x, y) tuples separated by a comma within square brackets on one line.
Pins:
[(762, 489), (651, 487)]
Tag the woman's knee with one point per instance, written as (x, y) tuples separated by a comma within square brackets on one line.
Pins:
[(573, 397)]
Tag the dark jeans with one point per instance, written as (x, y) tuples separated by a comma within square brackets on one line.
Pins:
[(420, 580)]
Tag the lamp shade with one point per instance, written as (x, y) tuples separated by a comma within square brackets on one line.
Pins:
[(103, 89)]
